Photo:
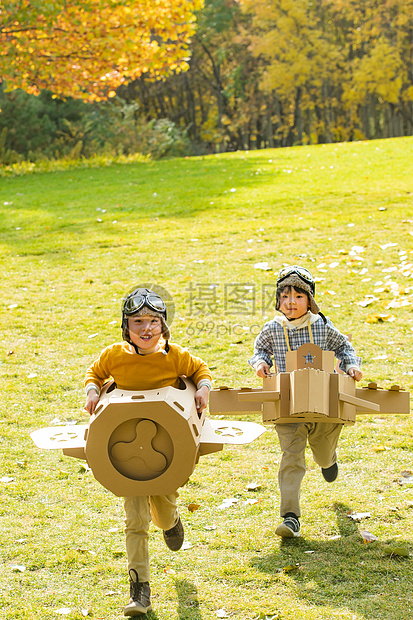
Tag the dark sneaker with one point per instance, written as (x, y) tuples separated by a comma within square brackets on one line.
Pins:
[(140, 596), (330, 473), (174, 537), (289, 528)]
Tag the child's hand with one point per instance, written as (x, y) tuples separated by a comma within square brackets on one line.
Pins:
[(263, 370), (355, 373), (92, 400), (201, 398)]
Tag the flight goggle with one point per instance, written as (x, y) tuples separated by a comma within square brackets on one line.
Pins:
[(301, 272), (137, 301)]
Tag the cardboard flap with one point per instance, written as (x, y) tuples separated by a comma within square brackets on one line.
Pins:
[(60, 437), (230, 432)]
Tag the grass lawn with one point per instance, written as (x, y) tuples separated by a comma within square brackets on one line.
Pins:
[(72, 243)]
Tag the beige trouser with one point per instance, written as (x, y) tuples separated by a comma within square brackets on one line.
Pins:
[(139, 511), (322, 439)]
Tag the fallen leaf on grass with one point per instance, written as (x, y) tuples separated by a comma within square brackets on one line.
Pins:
[(358, 516), (387, 245), (369, 299), (368, 536), (291, 568), (118, 553), (263, 266), (380, 318), (85, 551), (380, 448), (250, 501), (253, 486), (192, 507), (222, 613), (406, 477), (227, 503), (402, 552), (398, 303), (169, 571)]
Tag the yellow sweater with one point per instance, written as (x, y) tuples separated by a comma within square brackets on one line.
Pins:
[(145, 372)]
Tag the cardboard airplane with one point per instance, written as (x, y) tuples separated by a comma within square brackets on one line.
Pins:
[(147, 442), (310, 391)]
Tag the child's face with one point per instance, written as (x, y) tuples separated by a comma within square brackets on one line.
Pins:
[(145, 331), (293, 304)]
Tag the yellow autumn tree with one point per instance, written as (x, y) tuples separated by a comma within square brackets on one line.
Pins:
[(87, 48), (301, 62)]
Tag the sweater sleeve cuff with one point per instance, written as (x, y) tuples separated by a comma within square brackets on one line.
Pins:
[(92, 386), (205, 382), (257, 363)]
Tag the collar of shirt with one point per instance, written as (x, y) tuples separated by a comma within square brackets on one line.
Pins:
[(302, 321)]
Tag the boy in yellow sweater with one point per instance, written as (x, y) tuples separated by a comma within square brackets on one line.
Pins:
[(144, 361)]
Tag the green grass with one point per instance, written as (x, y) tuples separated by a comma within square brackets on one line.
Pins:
[(64, 273)]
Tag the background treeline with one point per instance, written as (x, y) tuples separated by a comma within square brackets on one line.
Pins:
[(263, 73)]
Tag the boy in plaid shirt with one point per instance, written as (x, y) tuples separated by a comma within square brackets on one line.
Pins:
[(301, 322)]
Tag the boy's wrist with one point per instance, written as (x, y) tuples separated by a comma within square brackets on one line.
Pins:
[(260, 363), (90, 387), (204, 383)]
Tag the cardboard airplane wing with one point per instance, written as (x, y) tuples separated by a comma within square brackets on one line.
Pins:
[(310, 391)]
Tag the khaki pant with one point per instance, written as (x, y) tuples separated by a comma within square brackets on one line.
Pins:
[(322, 439), (139, 511)]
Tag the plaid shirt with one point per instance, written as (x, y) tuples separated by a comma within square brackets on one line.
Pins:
[(271, 343)]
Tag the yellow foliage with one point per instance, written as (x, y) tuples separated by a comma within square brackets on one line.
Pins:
[(86, 49), (379, 73), (408, 94)]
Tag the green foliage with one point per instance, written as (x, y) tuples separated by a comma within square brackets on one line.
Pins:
[(45, 127), (35, 127)]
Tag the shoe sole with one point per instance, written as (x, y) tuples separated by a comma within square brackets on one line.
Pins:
[(136, 611), (286, 532)]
